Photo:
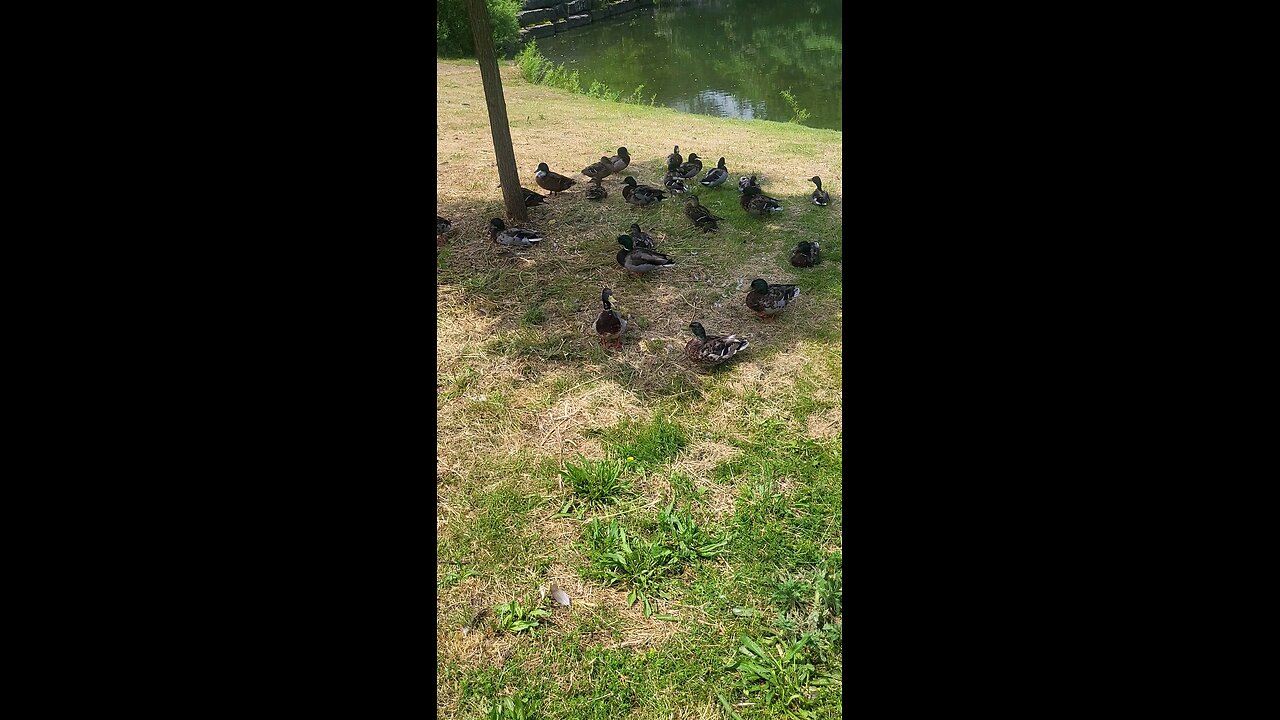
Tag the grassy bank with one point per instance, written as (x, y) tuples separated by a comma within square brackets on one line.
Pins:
[(725, 484)]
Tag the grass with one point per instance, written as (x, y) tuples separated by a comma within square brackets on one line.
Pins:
[(685, 510)]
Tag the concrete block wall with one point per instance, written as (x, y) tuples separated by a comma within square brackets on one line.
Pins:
[(544, 18)]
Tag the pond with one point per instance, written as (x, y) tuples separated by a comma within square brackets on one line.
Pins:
[(728, 58)]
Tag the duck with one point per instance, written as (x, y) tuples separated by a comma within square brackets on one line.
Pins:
[(769, 300), (512, 237), (600, 169), (621, 160), (712, 350), (745, 182), (610, 325), (532, 198), (637, 261), (596, 191), (691, 168), (805, 254), (820, 197), (641, 195), (716, 176), (442, 226), (700, 215), (555, 182), (641, 239), (674, 159), (672, 182), (758, 204)]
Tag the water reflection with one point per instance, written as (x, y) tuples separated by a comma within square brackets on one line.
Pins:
[(727, 58)]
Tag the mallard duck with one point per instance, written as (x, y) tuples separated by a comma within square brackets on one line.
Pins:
[(596, 191), (512, 237), (600, 169), (712, 350), (716, 175), (621, 160), (442, 226), (673, 183), (768, 300), (758, 204), (610, 325), (690, 169), (700, 215), (819, 196), (805, 255), (637, 261), (674, 159), (532, 198), (745, 182), (555, 182), (641, 239), (640, 194)]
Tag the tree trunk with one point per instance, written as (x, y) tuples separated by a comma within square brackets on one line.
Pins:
[(506, 157)]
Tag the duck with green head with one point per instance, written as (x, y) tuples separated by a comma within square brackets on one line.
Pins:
[(713, 349), (610, 324), (638, 260), (769, 300)]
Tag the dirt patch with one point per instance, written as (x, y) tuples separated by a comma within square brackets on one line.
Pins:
[(699, 459), (824, 426), (559, 431)]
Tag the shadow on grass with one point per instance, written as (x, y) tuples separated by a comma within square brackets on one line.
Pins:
[(545, 299)]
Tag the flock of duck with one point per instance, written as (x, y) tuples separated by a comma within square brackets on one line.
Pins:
[(639, 255)]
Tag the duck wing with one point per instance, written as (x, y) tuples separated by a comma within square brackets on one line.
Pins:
[(518, 237), (648, 259), (600, 170), (721, 348)]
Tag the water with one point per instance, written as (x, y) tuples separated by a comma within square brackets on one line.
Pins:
[(728, 58)]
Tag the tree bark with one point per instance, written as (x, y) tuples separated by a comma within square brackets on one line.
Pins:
[(498, 124)]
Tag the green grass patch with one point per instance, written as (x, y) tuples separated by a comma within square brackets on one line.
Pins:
[(644, 446)]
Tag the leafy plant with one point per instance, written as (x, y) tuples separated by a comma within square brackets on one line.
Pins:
[(537, 69), (634, 561), (513, 707), (453, 27), (594, 483), (784, 676), (688, 540), (514, 617), (456, 577), (790, 593), (799, 114)]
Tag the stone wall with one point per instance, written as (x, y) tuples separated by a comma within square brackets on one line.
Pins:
[(544, 18)]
